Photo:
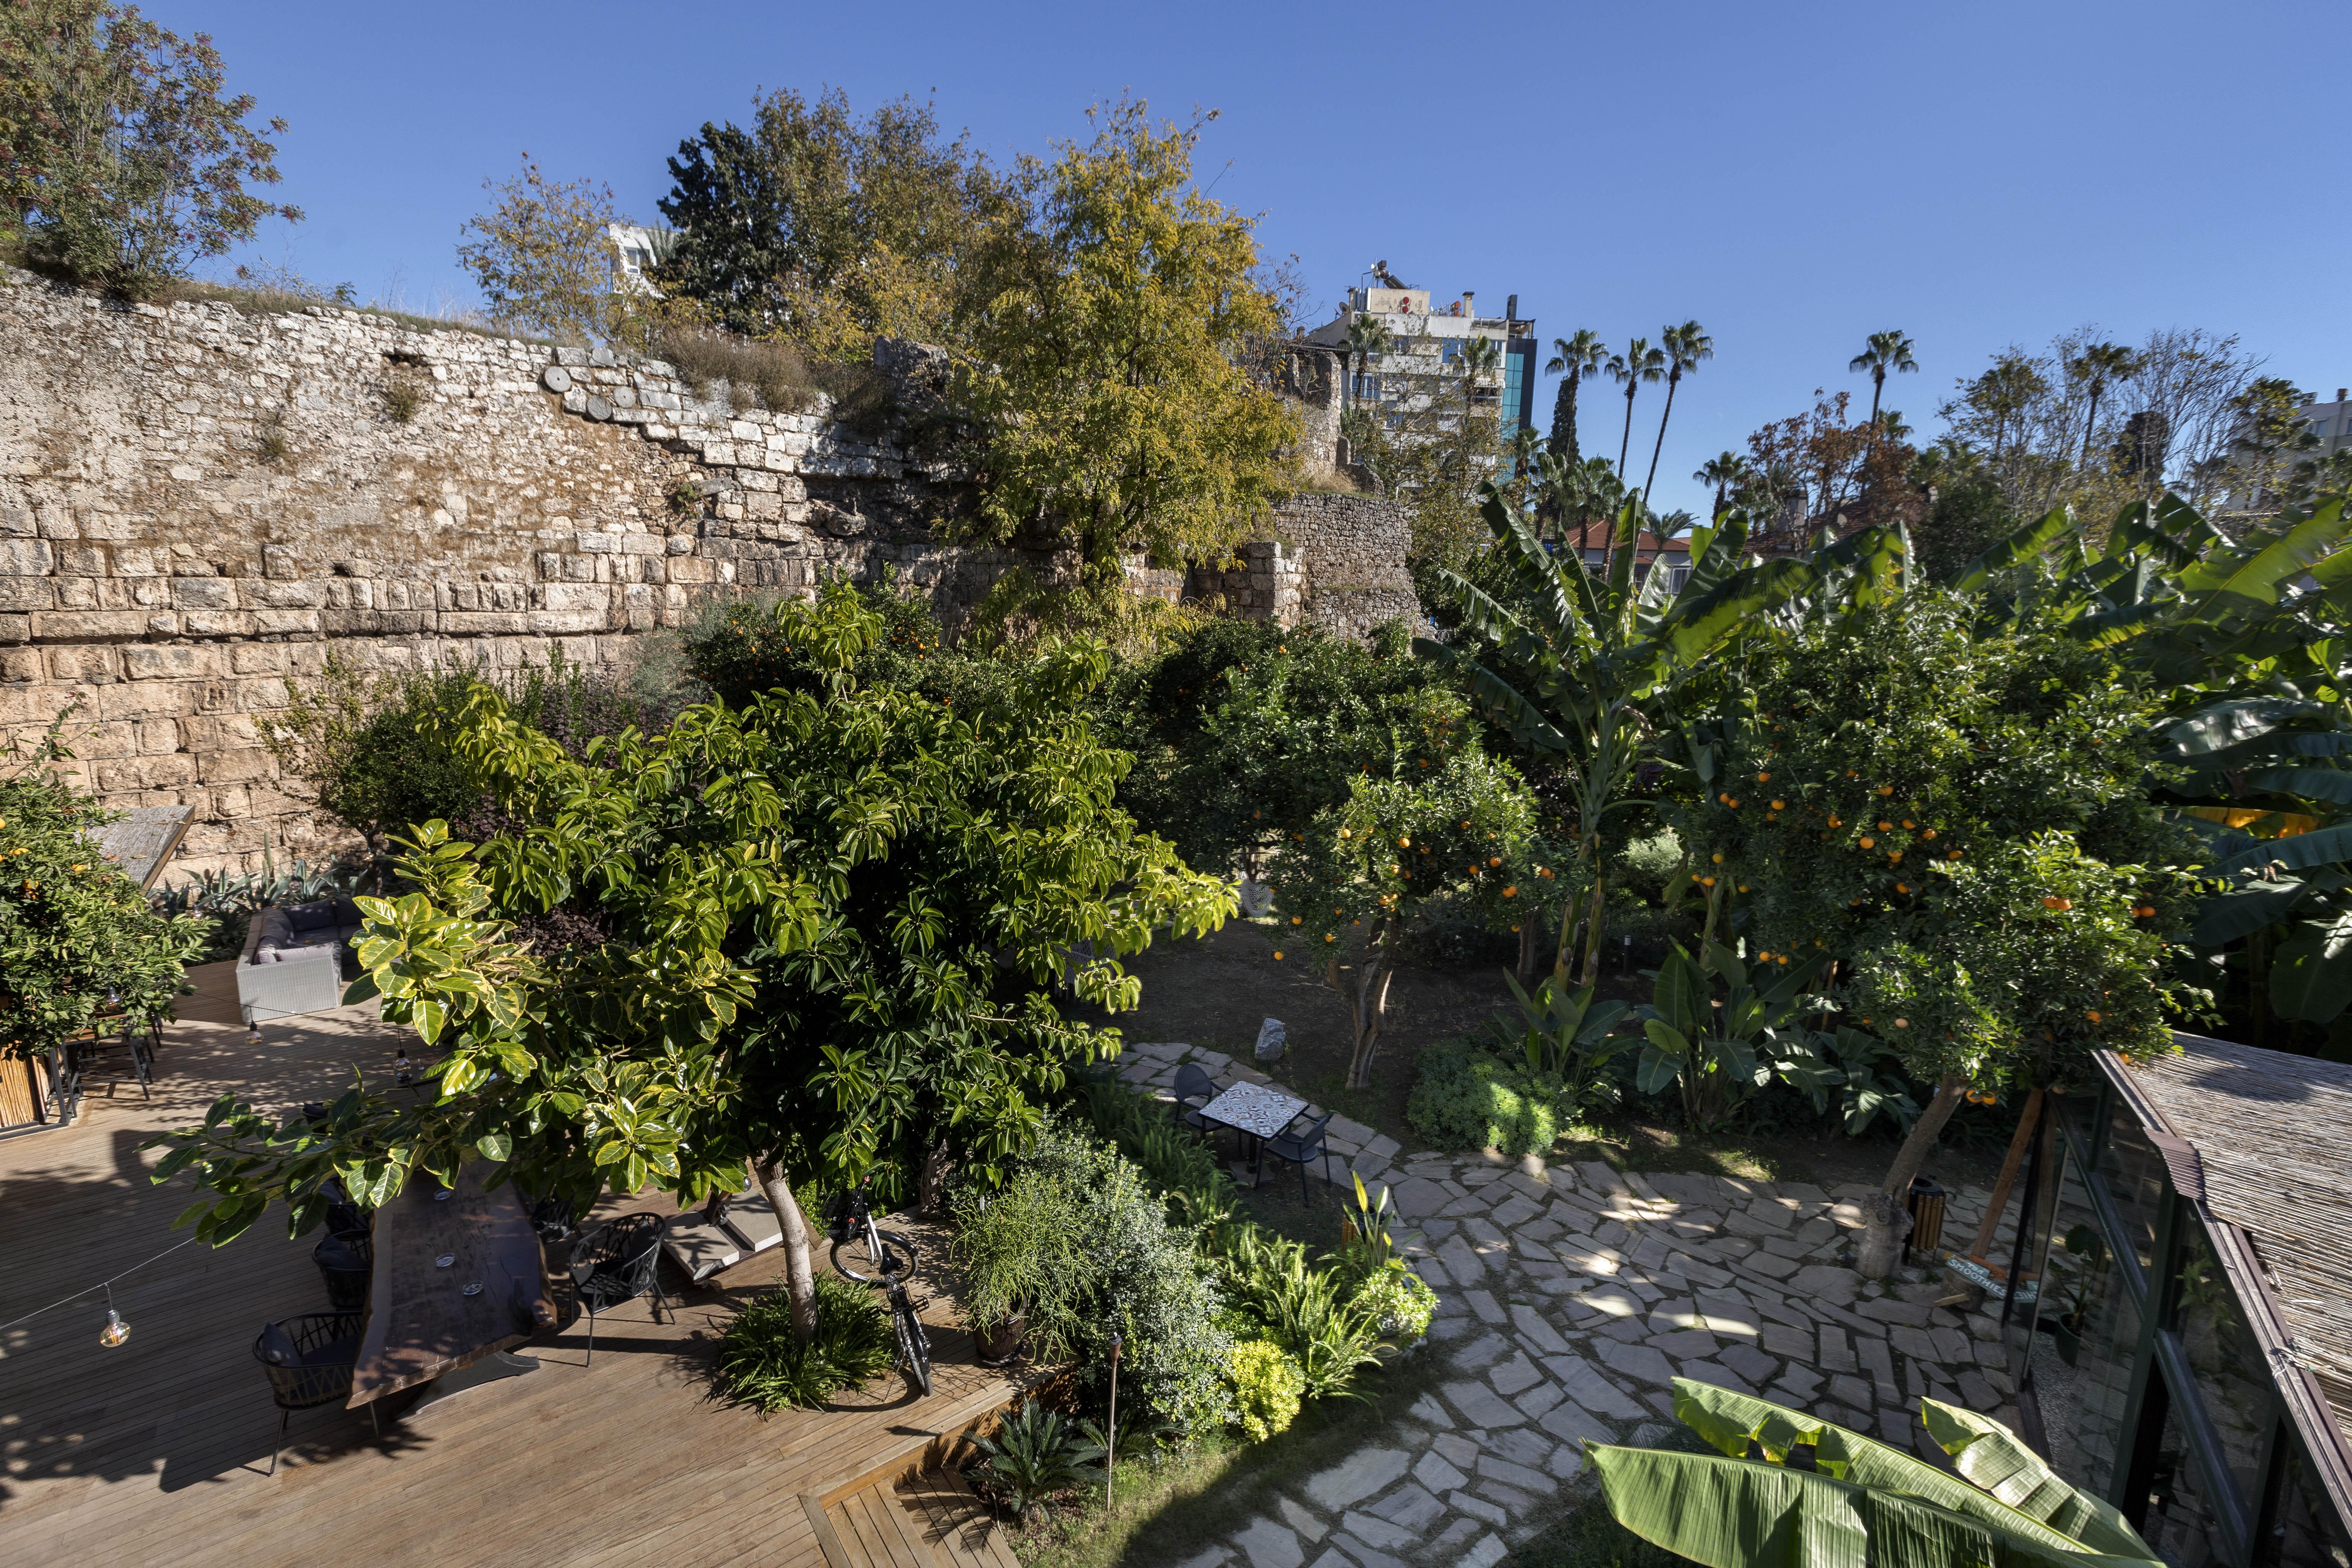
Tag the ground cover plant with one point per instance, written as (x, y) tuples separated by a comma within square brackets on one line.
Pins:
[(764, 1364)]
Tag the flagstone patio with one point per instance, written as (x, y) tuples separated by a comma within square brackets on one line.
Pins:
[(1570, 1297)]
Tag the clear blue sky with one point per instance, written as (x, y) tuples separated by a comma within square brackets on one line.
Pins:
[(1794, 176)]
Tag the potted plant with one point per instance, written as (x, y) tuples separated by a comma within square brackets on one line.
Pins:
[(1017, 1250), (2087, 1245)]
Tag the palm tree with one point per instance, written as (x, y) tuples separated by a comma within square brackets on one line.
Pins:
[(2095, 367), (1576, 358), (1884, 351), (1367, 336), (1685, 345), (1726, 471), (1638, 363), (1890, 424), (1479, 358)]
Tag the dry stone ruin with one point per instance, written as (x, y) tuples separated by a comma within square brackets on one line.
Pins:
[(198, 502)]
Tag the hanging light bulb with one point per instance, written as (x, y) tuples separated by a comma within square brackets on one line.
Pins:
[(115, 1330), (403, 1070)]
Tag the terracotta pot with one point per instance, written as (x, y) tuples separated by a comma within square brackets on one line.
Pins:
[(997, 1346)]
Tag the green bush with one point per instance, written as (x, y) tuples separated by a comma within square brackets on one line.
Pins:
[(1398, 1302), (1020, 1250), (1035, 1455), (1467, 1097), (1143, 1279), (762, 1364), (1267, 1386), (76, 934)]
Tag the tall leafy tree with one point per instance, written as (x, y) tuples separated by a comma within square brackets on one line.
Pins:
[(1479, 358), (1367, 336), (544, 257), (1638, 363), (1883, 352), (121, 160), (838, 918), (1575, 358), (2097, 367), (1103, 330), (1685, 347)]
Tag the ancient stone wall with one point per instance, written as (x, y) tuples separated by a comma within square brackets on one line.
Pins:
[(197, 503), (1353, 548)]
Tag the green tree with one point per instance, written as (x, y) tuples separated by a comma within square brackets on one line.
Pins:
[(1479, 358), (76, 934), (1884, 352), (1104, 331), (1638, 363), (121, 160), (1575, 358), (2096, 367), (1959, 819), (1367, 336), (543, 255), (1586, 668), (1726, 471), (837, 918), (1849, 1499), (1685, 347), (825, 228)]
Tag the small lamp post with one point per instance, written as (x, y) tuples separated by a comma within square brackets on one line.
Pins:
[(1110, 1433)]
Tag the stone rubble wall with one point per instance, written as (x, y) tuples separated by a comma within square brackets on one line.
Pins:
[(198, 503)]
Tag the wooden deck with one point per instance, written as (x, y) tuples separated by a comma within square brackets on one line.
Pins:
[(156, 1451)]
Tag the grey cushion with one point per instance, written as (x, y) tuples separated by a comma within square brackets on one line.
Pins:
[(277, 1347), (312, 917), (346, 933), (347, 910)]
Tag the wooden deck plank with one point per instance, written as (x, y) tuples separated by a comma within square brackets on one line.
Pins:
[(957, 1526), (156, 1452)]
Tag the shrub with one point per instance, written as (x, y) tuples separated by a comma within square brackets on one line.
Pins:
[(774, 371), (74, 930), (403, 396), (1398, 1302), (1019, 1250), (1267, 1386), (1035, 1454), (762, 1364), (1467, 1097), (1141, 1280)]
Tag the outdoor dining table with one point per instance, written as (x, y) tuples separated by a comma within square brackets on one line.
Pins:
[(1257, 1113), (460, 1279)]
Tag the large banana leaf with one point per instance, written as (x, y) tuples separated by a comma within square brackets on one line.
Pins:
[(2026, 544), (2241, 911), (1863, 1502), (1988, 1455), (2303, 852), (2227, 586), (2307, 783), (2311, 972)]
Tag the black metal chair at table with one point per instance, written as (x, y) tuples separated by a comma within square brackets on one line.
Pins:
[(310, 1359), (1302, 1149), (618, 1261), (1193, 1083)]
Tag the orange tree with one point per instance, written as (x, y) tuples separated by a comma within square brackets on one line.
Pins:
[(839, 918), (1960, 824), (1348, 885)]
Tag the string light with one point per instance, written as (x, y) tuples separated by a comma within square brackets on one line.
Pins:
[(115, 1330)]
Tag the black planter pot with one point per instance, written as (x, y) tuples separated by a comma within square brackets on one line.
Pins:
[(1001, 1343)]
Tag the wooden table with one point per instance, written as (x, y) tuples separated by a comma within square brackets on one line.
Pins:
[(1256, 1112), (421, 1324)]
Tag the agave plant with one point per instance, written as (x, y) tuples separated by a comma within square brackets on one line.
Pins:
[(1035, 1454), (1860, 1501)]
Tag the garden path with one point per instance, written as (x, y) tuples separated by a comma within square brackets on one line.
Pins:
[(1568, 1297)]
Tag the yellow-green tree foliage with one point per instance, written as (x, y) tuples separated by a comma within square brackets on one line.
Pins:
[(1106, 332)]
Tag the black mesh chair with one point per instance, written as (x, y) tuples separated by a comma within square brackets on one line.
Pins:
[(310, 1361), (346, 1261), (1303, 1149), (342, 1213), (555, 1220), (618, 1261)]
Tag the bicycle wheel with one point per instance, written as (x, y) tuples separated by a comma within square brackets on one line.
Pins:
[(914, 1344)]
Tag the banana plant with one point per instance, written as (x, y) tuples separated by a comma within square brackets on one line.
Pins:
[(1861, 1502), (1719, 1034), (1587, 668), (1563, 1035)]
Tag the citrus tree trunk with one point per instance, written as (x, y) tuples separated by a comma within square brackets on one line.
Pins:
[(1367, 1001), (800, 1268), (1885, 1221)]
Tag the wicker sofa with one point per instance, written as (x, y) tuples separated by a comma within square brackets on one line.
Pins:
[(297, 958)]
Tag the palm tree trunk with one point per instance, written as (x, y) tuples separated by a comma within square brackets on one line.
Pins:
[(1574, 452), (1672, 381), (2090, 425), (1626, 441), (1877, 389), (800, 1271)]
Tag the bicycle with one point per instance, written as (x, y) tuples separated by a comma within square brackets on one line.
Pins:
[(889, 1259)]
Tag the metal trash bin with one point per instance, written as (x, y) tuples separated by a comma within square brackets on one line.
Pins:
[(1925, 1203)]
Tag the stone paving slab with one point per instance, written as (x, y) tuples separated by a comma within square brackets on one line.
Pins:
[(1570, 1298)]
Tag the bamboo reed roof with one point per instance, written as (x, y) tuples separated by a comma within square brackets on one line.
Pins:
[(2273, 1136)]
